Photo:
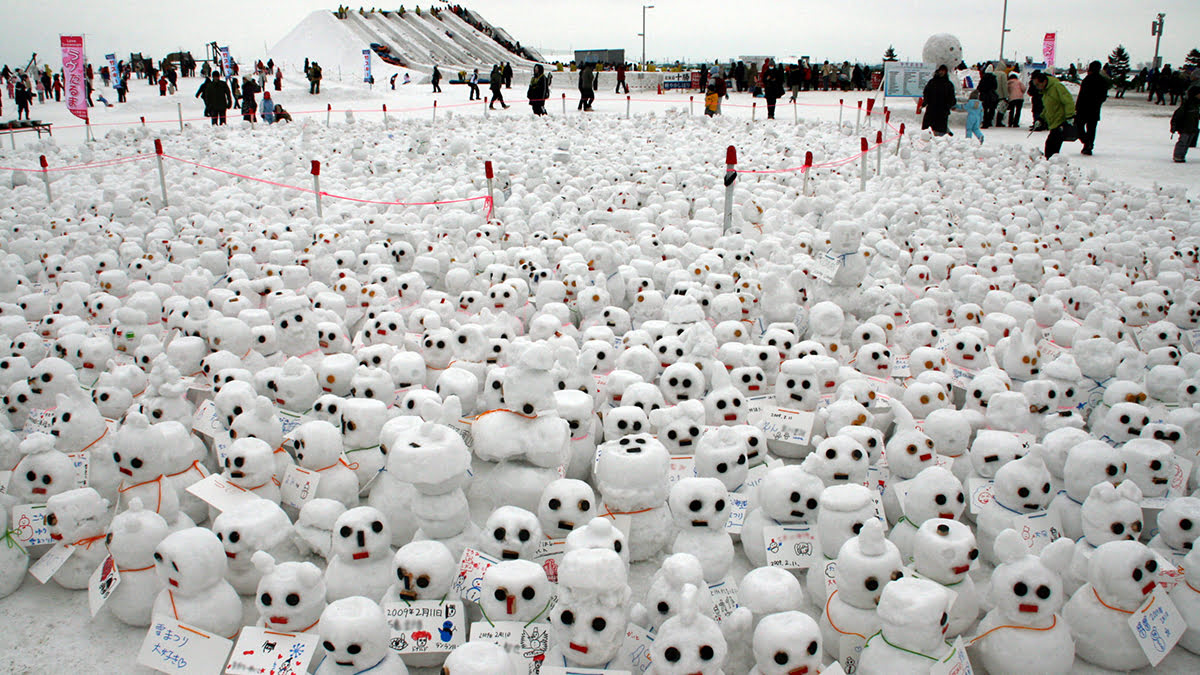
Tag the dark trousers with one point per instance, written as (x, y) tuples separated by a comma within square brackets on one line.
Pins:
[(23, 108), (1087, 131), (1181, 146), (437, 88), (586, 96), (1014, 113), (1054, 142), (314, 87), (622, 84), (989, 113), (771, 107), (474, 91), (497, 97)]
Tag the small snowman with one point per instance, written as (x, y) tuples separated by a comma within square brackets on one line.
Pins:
[(313, 533), (866, 565), (258, 525), (565, 504), (842, 512), (510, 533), (515, 590), (78, 518), (699, 508), (632, 476), (424, 571), (663, 598), (689, 643), (592, 610), (354, 633), (1108, 514), (787, 643), (42, 471), (1087, 464), (362, 555), (763, 592), (787, 495), (290, 595), (479, 658), (933, 493), (139, 451), (318, 447), (914, 618), (190, 563), (944, 551), (1022, 487), (132, 538), (1120, 576), (1178, 528)]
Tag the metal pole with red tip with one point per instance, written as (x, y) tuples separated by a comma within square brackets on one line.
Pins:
[(179, 111), (878, 152), (564, 100), (730, 179), (485, 106), (162, 174), (808, 164), (691, 106), (863, 172), (858, 118), (841, 109), (143, 118), (46, 177), (753, 110), (899, 138), (795, 113), (627, 104), (435, 110), (887, 117), (489, 174), (316, 174), (328, 113), (385, 117)]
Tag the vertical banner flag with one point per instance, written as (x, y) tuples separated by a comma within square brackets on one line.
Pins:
[(1048, 49), (366, 65), (225, 63), (112, 66), (73, 75)]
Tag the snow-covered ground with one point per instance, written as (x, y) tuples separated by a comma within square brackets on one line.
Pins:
[(48, 630)]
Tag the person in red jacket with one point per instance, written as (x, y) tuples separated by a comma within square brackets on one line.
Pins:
[(162, 85), (57, 86)]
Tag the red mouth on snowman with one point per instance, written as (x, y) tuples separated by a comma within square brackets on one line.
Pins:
[(1028, 609), (753, 387), (802, 670), (947, 516), (1148, 587), (230, 555), (280, 620), (56, 536), (961, 569), (579, 648), (39, 491), (173, 582), (361, 554), (731, 417), (926, 457)]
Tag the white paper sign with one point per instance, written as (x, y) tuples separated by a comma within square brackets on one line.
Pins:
[(207, 420), (1176, 487), (724, 598), (1193, 338), (471, 567), (549, 555), (791, 546), (38, 421), (49, 563), (102, 583), (681, 467), (220, 493), (526, 644), (850, 647), (1157, 625), (426, 626), (634, 654), (259, 650), (29, 525), (825, 267), (288, 421), (299, 486), (1038, 529), (830, 573), (789, 426), (739, 506), (982, 490), (955, 664), (80, 460), (5, 476), (174, 647)]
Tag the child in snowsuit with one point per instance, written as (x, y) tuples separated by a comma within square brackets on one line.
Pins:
[(974, 108)]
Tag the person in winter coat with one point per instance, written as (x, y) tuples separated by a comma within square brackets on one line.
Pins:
[(587, 93), (507, 75), (939, 100), (473, 83), (249, 104), (23, 97), (1093, 92), (267, 108), (279, 80), (539, 90), (1185, 122), (974, 109), (314, 78), (621, 83), (495, 82), (436, 78), (772, 86), (1016, 99), (216, 97), (988, 95), (122, 86), (57, 86), (1058, 108)]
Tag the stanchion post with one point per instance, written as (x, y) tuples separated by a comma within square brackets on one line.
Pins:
[(385, 117), (795, 113), (841, 109), (753, 110), (328, 113), (485, 106), (46, 178), (887, 117), (863, 172), (489, 174), (808, 164), (858, 118), (179, 111), (564, 100), (143, 118), (87, 127), (691, 106), (316, 174), (899, 138), (435, 110), (878, 152), (162, 174), (627, 104), (730, 179)]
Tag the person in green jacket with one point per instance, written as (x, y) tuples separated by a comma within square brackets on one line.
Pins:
[(1058, 107)]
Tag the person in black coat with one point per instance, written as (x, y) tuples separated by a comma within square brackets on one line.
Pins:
[(939, 100), (772, 87), (988, 95), (1093, 92), (587, 92), (249, 103), (216, 97), (539, 90)]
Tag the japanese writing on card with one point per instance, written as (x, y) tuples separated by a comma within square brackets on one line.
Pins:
[(259, 650), (526, 644), (791, 546), (174, 647), (1157, 625), (220, 493), (471, 567), (634, 654), (425, 626), (299, 486), (724, 598), (29, 525)]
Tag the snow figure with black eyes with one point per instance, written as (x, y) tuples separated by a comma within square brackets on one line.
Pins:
[(908, 452), (362, 555), (592, 610), (838, 460), (842, 512), (849, 262), (1187, 599), (479, 658), (688, 643), (354, 634), (1022, 487), (1023, 632), (762, 592), (290, 596), (944, 551), (318, 447), (78, 518), (190, 564), (1121, 575), (663, 597), (787, 495), (798, 388), (250, 465), (787, 643), (914, 615), (132, 538), (515, 590), (565, 504), (42, 471), (78, 427), (632, 476), (528, 439), (933, 493), (1178, 527), (598, 533), (1087, 464), (510, 533), (1108, 514), (866, 565), (424, 571), (259, 525), (700, 507), (423, 486), (140, 454), (313, 533)]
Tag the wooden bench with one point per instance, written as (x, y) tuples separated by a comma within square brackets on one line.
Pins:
[(14, 127)]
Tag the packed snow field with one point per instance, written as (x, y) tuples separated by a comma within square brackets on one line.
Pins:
[(885, 382)]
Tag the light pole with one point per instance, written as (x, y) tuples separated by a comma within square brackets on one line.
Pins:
[(1003, 29), (643, 34), (1156, 30)]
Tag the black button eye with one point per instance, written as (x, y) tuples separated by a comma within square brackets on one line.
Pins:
[(782, 657), (528, 593), (672, 654), (1043, 592), (871, 583), (567, 618), (554, 504), (599, 624), (706, 653), (345, 531), (663, 608), (1020, 589)]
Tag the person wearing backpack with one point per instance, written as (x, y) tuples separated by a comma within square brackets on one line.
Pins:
[(1186, 122)]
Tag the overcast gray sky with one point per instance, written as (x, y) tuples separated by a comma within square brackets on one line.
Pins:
[(676, 29)]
